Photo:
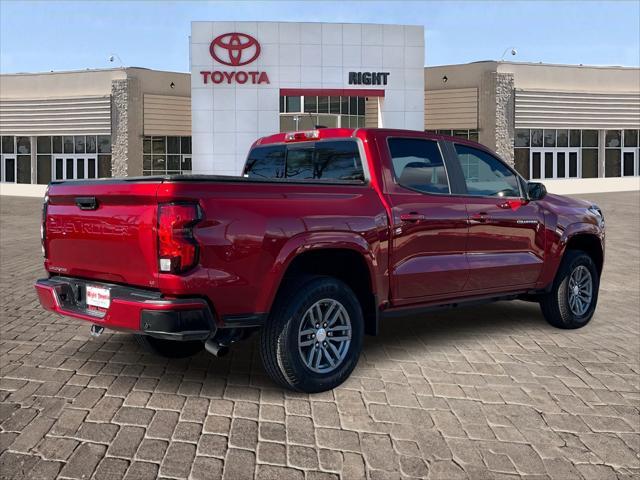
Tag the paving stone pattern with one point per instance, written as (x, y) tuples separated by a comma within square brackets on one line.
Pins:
[(487, 392)]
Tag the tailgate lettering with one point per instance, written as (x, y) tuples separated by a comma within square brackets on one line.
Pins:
[(90, 228)]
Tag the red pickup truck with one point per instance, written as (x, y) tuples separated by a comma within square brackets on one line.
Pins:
[(326, 233)]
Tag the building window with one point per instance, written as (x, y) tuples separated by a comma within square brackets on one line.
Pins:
[(166, 155), (15, 159), (306, 112), (68, 157), (556, 153), (621, 153), (469, 134)]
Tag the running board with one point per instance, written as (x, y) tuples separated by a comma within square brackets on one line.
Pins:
[(416, 310)]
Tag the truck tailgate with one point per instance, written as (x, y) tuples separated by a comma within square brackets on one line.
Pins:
[(113, 240)]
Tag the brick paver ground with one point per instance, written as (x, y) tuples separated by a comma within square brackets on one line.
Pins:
[(488, 392)]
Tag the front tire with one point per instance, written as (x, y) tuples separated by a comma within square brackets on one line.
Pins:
[(572, 300), (313, 338), (169, 348)]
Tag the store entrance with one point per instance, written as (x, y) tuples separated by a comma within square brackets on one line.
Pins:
[(555, 163), (74, 167), (306, 112)]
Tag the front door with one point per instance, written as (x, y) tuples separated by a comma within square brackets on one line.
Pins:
[(429, 225), (74, 167), (630, 162), (505, 246)]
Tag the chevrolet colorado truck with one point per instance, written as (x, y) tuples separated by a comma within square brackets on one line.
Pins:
[(327, 232)]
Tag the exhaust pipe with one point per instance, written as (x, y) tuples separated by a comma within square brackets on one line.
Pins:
[(215, 348), (96, 330)]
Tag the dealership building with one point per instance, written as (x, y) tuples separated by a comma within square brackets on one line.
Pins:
[(575, 127)]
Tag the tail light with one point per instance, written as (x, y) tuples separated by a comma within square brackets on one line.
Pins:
[(177, 248)]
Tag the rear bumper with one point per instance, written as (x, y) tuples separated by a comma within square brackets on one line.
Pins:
[(130, 309)]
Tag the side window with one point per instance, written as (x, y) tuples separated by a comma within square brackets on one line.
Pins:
[(325, 160), (418, 165), (265, 162), (485, 175)]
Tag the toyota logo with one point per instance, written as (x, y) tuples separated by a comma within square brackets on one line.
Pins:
[(234, 49)]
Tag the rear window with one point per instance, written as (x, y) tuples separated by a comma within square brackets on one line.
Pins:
[(265, 162), (324, 160)]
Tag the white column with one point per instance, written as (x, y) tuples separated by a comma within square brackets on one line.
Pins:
[(34, 160)]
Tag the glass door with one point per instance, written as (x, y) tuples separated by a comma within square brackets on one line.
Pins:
[(9, 169), (630, 162), (554, 163), (74, 167)]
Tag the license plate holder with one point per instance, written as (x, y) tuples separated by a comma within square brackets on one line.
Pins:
[(99, 297)]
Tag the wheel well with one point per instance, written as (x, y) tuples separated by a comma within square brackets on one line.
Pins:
[(590, 244), (346, 265)]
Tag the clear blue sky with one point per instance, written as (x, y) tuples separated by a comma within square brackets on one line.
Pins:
[(43, 36)]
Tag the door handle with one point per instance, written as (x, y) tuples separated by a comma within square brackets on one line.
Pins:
[(479, 217), (412, 217), (87, 203)]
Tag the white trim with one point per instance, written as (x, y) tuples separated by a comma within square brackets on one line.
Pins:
[(636, 159), (74, 157), (3, 158)]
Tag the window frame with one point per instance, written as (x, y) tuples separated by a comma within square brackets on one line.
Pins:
[(151, 155), (439, 144), (555, 150), (74, 157), (462, 184)]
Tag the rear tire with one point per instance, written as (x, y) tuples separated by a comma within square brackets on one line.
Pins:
[(169, 348), (313, 338), (572, 300)]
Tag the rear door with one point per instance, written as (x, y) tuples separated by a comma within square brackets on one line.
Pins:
[(429, 225), (104, 231), (505, 247)]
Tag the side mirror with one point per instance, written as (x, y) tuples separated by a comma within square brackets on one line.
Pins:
[(536, 190)]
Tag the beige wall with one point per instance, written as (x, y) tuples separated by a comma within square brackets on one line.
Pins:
[(167, 115), (159, 83), (89, 115), (371, 112), (156, 85), (452, 108), (467, 75), (59, 84), (571, 78), (478, 76)]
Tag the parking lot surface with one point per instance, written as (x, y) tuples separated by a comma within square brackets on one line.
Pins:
[(485, 392)]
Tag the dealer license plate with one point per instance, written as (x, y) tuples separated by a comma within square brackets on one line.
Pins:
[(98, 297)]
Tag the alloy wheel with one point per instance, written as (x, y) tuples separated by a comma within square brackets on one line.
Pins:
[(580, 290), (324, 336)]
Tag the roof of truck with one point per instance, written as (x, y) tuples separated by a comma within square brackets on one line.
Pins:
[(327, 133)]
